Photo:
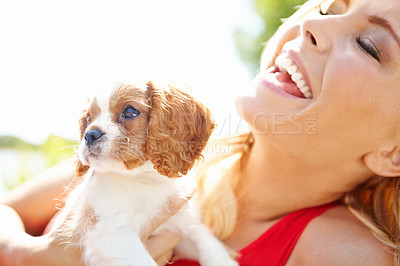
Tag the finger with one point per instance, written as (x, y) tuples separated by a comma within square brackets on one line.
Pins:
[(169, 210), (176, 257), (164, 259), (163, 242)]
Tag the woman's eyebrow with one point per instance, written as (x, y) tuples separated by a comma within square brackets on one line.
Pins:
[(382, 22)]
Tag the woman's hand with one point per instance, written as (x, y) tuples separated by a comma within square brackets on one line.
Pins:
[(161, 246)]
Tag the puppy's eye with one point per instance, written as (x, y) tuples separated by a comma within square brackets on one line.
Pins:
[(88, 119), (129, 113)]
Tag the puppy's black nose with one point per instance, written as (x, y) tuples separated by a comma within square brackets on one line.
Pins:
[(92, 136)]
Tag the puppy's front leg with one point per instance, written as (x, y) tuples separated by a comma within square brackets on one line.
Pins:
[(122, 248)]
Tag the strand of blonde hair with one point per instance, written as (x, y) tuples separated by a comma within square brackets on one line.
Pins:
[(217, 181), (377, 204)]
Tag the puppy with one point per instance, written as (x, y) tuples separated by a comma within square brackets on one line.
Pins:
[(134, 145)]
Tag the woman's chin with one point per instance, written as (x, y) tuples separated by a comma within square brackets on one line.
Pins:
[(240, 105)]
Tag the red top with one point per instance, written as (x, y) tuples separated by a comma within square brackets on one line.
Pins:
[(273, 248)]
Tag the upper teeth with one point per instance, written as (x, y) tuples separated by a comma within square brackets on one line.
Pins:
[(286, 64)]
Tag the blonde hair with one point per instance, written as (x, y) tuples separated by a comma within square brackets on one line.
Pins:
[(217, 180), (376, 202)]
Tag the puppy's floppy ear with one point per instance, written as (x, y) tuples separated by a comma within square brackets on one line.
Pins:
[(81, 169), (178, 130)]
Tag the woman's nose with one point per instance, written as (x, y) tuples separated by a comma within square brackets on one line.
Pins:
[(318, 34)]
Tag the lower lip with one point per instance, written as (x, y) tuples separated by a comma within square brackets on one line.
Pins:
[(268, 80)]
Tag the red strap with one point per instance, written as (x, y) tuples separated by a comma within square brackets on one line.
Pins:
[(273, 248), (277, 243)]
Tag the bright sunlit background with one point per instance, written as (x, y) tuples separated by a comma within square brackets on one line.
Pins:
[(55, 54)]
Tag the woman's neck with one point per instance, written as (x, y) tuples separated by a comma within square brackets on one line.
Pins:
[(274, 184)]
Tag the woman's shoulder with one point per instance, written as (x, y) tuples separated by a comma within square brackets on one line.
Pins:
[(337, 237)]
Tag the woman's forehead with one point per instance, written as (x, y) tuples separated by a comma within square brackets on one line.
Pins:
[(379, 5), (387, 9)]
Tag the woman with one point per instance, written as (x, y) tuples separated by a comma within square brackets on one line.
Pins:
[(318, 174), (332, 137), (329, 139)]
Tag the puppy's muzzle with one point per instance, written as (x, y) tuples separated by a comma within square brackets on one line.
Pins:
[(92, 136)]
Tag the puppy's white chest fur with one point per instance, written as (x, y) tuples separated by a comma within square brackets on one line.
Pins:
[(122, 205), (137, 197)]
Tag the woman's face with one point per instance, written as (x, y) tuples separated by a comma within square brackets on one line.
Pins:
[(346, 98)]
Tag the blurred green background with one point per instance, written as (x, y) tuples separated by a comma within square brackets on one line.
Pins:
[(31, 158), (249, 46), (34, 158)]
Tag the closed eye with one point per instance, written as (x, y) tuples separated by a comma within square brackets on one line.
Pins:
[(369, 47)]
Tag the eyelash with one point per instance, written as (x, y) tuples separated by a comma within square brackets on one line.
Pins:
[(369, 48), (322, 13), (326, 13)]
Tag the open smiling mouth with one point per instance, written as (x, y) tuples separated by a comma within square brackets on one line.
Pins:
[(289, 77)]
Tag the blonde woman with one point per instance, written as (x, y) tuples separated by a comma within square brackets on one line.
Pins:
[(316, 181)]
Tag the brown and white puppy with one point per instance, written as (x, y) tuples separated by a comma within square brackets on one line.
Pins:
[(134, 145)]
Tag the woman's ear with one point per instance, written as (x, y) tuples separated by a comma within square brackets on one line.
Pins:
[(384, 163)]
